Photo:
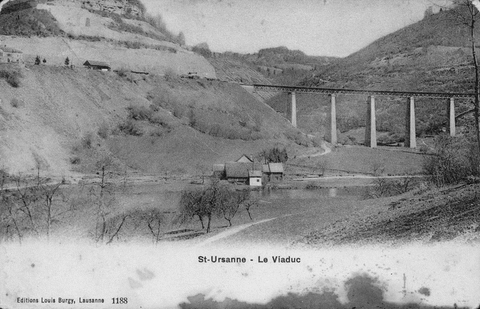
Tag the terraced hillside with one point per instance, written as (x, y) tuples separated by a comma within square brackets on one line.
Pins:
[(120, 34)]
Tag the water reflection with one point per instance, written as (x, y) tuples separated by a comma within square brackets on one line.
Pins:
[(303, 194)]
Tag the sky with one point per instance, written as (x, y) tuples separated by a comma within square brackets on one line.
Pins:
[(317, 27)]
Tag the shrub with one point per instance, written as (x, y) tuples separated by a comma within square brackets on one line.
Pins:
[(129, 127), (122, 72), (383, 187), (301, 139), (87, 141), (275, 155), (312, 186), (12, 77), (454, 159), (170, 74), (423, 149), (157, 132), (158, 119), (133, 44), (158, 23), (140, 113), (180, 111), (202, 49), (75, 160), (103, 131), (16, 103)]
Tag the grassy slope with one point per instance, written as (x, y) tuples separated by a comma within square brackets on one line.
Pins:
[(435, 215), (61, 106)]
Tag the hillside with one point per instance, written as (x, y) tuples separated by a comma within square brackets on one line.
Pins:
[(436, 215), (431, 55), (65, 120)]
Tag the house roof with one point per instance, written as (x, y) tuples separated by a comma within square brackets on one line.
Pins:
[(255, 173), (96, 63), (244, 158), (276, 167), (272, 168), (237, 169)]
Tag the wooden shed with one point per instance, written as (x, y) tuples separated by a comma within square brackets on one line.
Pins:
[(97, 65), (273, 171)]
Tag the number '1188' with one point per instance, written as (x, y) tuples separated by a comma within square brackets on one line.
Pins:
[(119, 300)]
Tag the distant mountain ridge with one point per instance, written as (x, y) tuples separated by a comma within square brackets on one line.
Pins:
[(278, 65)]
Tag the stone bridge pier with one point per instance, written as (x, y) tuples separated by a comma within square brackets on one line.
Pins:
[(293, 108), (410, 125), (333, 115)]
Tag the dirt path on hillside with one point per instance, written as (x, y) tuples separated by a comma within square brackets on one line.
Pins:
[(283, 230), (326, 150), (231, 231)]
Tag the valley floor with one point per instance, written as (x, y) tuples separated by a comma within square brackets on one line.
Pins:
[(427, 217)]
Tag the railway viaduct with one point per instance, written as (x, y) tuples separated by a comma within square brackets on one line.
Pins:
[(370, 129)]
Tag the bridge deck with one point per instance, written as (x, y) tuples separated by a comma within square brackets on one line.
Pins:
[(280, 88)]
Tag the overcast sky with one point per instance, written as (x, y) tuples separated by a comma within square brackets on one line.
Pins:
[(317, 27)]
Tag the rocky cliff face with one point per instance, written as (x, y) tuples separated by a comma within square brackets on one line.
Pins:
[(129, 8), (121, 7)]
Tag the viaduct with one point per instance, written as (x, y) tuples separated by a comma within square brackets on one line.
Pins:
[(370, 130)]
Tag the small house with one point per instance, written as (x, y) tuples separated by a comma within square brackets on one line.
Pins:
[(273, 171), (255, 178), (97, 65), (8, 55)]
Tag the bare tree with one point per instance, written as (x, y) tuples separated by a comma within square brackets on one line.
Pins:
[(248, 204), (31, 206), (8, 211), (214, 200), (204, 203), (102, 193), (25, 197), (230, 202), (113, 226), (191, 205), (154, 220), (48, 193)]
